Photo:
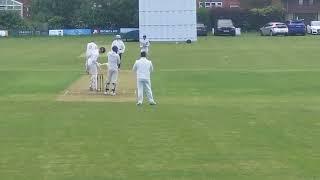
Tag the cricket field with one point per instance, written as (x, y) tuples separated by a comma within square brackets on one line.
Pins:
[(229, 108)]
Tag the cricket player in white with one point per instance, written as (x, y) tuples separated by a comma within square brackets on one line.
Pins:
[(113, 70), (90, 48), (119, 43), (93, 67), (143, 68), (144, 44)]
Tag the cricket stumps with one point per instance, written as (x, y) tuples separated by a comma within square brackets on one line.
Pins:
[(100, 82)]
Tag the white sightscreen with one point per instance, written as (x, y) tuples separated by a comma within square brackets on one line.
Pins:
[(168, 20)]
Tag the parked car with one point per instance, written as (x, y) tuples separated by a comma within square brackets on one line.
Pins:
[(132, 35), (314, 27), (274, 28), (201, 30), (225, 27), (296, 27)]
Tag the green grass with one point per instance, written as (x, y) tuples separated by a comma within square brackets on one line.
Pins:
[(243, 108)]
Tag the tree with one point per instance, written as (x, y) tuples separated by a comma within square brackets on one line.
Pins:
[(249, 4), (11, 20), (118, 13), (87, 13), (56, 22), (43, 10), (203, 16)]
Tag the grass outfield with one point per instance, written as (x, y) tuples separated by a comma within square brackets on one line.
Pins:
[(243, 108)]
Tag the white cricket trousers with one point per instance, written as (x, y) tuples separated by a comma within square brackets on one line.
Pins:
[(144, 85), (93, 71), (145, 49), (112, 80), (112, 76)]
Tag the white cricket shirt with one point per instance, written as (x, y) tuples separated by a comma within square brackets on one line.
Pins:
[(144, 45), (119, 43), (93, 59), (113, 60), (143, 68)]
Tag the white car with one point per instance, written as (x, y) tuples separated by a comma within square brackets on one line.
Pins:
[(274, 28), (314, 27)]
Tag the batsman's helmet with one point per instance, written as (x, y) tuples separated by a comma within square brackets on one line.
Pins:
[(143, 54), (115, 49)]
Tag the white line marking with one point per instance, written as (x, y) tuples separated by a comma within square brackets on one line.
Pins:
[(66, 93), (239, 70), (171, 70)]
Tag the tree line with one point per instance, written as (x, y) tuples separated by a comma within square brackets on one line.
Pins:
[(59, 14), (86, 13)]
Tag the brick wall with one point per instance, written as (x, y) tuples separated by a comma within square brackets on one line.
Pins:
[(26, 7), (232, 3)]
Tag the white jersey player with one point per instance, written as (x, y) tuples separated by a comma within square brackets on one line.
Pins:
[(91, 47), (113, 70), (144, 44), (93, 66), (143, 68), (120, 45)]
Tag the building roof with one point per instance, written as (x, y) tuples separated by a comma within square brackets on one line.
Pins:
[(10, 2), (25, 2)]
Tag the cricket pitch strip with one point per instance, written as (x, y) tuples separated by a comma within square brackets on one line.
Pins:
[(79, 90)]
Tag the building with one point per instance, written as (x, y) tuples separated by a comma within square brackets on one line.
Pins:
[(218, 3), (26, 7), (174, 23), (12, 6), (22, 7), (302, 9)]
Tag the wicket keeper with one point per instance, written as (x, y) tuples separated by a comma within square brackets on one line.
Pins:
[(91, 46)]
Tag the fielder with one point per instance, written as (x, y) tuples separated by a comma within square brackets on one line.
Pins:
[(144, 44), (143, 68), (120, 45), (113, 70), (91, 46), (93, 67)]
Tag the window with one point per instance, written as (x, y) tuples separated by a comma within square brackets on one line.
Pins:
[(300, 2), (11, 5), (234, 6), (210, 4), (219, 4), (268, 25), (311, 2), (215, 4)]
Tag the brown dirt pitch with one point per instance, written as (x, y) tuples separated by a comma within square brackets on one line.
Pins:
[(79, 91)]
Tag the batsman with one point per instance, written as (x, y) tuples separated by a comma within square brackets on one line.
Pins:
[(113, 71), (93, 68)]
